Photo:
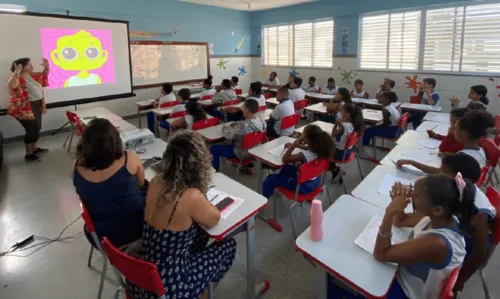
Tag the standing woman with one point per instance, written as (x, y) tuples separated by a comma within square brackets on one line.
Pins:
[(27, 103)]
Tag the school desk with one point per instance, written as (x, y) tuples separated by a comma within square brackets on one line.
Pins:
[(327, 127), (367, 190), (272, 101), (88, 114), (150, 150), (319, 96), (318, 108), (212, 134), (337, 255), (420, 107), (399, 150), (372, 116), (206, 103), (242, 96), (172, 120), (195, 87), (436, 127), (414, 138), (142, 107), (371, 103), (439, 117), (262, 155)]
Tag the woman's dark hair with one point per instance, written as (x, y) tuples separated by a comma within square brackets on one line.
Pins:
[(235, 79), (208, 82), (356, 117), (431, 81), (196, 110), (359, 81), (346, 95), (226, 83), (320, 142), (256, 87), (476, 106), (476, 123), (297, 81), (459, 112), (312, 78), (482, 91), (463, 163), (331, 80), (442, 191), (23, 61), (185, 94), (167, 87), (391, 96), (99, 146)]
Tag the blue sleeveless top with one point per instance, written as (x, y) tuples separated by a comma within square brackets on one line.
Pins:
[(115, 205)]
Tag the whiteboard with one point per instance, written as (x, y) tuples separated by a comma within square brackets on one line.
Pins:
[(158, 62)]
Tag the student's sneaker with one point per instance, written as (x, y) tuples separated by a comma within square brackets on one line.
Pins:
[(32, 158), (41, 151)]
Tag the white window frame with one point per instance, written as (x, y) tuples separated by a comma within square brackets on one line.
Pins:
[(262, 58), (423, 24)]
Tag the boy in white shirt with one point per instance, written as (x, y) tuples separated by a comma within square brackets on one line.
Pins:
[(167, 95), (208, 90), (312, 87), (254, 93), (330, 88), (387, 86), (285, 108), (272, 81), (224, 94), (296, 93), (234, 82), (184, 97)]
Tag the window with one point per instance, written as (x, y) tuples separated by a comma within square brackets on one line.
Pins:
[(462, 38), (308, 44)]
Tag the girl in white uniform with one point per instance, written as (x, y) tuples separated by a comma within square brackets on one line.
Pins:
[(469, 129), (389, 126), (358, 91)]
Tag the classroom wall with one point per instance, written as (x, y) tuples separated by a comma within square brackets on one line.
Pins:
[(224, 28), (346, 15)]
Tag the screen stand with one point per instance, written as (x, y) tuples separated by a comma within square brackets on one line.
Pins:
[(63, 126)]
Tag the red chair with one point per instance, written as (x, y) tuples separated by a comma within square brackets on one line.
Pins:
[(250, 140), (76, 128), (207, 97), (268, 95), (228, 103), (403, 121), (205, 123), (91, 229), (319, 89), (178, 114), (447, 292), (307, 172), (497, 139), (299, 105), (350, 144), (262, 108), (494, 198), (142, 274), (416, 100), (238, 91), (493, 155), (482, 179), (169, 104), (289, 121), (497, 123)]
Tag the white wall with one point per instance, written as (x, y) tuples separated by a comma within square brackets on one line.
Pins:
[(56, 117), (447, 85)]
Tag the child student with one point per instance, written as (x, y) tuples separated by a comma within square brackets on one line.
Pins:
[(252, 123), (312, 87), (224, 93), (255, 93), (469, 129), (314, 143), (272, 81), (296, 93), (429, 97), (333, 106), (436, 245), (290, 80), (477, 95), (184, 97), (330, 88), (208, 90), (388, 85), (351, 120), (195, 112), (449, 143), (358, 91), (234, 82), (389, 125), (167, 95), (285, 108)]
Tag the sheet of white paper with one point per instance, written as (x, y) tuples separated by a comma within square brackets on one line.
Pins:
[(368, 237), (429, 143), (389, 180), (420, 155), (407, 168), (280, 151), (215, 196)]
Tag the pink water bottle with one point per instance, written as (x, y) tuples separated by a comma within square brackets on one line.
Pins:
[(316, 221)]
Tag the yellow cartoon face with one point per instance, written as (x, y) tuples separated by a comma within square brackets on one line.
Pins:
[(79, 52)]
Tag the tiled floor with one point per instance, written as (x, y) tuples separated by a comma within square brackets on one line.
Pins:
[(39, 199)]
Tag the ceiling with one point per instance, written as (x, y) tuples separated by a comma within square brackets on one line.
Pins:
[(244, 4)]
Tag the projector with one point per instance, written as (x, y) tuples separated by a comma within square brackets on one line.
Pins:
[(137, 137)]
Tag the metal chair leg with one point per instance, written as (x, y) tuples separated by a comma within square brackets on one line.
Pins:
[(103, 275), (67, 136), (485, 285), (343, 181), (496, 176), (89, 262), (70, 141), (211, 291), (359, 168), (291, 219)]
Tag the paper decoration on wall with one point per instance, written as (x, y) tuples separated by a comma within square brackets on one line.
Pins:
[(175, 31), (222, 64), (347, 76), (264, 73), (243, 70), (497, 85), (211, 49), (136, 33), (294, 72), (345, 40), (412, 83), (240, 43)]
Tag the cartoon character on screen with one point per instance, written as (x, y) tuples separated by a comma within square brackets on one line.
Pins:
[(80, 52)]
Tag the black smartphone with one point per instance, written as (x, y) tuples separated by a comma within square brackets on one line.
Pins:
[(148, 163), (223, 204)]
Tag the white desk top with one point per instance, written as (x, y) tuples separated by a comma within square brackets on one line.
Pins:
[(437, 127), (172, 120), (412, 138), (266, 114), (318, 108), (372, 102), (372, 116), (272, 101), (398, 151), (319, 96), (261, 152), (367, 190), (206, 102), (154, 149), (122, 125), (92, 112), (145, 103), (87, 115), (243, 95), (439, 117), (421, 107), (163, 111), (212, 134), (337, 253), (327, 127)]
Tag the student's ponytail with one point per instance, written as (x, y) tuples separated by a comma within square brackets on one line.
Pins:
[(464, 208), (356, 117), (482, 91)]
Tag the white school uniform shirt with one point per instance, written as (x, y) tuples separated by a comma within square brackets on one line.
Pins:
[(189, 119), (260, 99), (207, 92), (296, 94), (327, 90), (275, 82), (310, 88), (179, 108), (224, 96), (340, 140), (483, 204), (477, 154), (281, 111), (425, 280), (168, 98), (356, 94), (435, 98), (394, 114)]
